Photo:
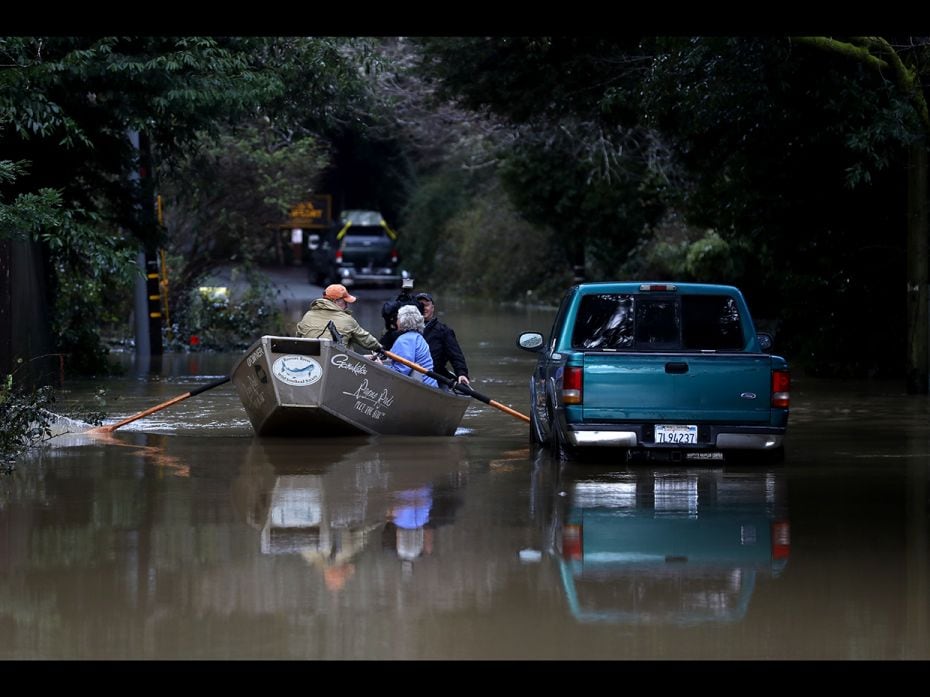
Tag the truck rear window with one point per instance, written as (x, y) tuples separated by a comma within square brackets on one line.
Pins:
[(367, 231), (658, 322)]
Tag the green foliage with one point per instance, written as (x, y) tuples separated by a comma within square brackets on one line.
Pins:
[(493, 253), (789, 156), (462, 235), (536, 79), (227, 197), (437, 199), (70, 103), (93, 276), (598, 216), (25, 418), (792, 158), (67, 108), (579, 162), (319, 81), (711, 257), (92, 268), (28, 214), (676, 251), (218, 322)]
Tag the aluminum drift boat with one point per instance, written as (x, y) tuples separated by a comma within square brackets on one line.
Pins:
[(316, 387)]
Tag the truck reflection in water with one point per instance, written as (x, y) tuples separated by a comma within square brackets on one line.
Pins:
[(329, 502), (669, 546)]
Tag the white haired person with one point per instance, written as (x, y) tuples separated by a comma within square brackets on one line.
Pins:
[(410, 343)]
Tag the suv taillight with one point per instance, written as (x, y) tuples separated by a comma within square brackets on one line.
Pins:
[(572, 537), (781, 539), (572, 385), (781, 386)]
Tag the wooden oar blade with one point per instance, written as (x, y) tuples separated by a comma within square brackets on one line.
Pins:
[(109, 428)]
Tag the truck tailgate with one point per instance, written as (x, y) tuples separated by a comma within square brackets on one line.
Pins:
[(687, 387)]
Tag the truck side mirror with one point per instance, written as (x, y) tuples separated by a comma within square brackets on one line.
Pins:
[(531, 341)]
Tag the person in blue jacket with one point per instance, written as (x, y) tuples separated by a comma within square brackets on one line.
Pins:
[(411, 345)]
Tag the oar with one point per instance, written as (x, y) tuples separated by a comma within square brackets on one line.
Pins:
[(457, 386), (180, 398)]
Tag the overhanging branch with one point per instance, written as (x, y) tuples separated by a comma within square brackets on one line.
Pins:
[(860, 48)]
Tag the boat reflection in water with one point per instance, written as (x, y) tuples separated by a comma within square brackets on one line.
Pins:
[(666, 546), (329, 500)]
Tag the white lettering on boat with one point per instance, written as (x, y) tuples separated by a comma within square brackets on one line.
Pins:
[(341, 360), (369, 410), (259, 352), (371, 402), (256, 396)]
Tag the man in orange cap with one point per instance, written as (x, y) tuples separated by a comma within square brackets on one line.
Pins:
[(334, 306)]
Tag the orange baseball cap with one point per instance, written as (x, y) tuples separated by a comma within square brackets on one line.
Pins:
[(337, 291)]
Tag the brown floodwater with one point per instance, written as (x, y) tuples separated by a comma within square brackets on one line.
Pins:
[(183, 536)]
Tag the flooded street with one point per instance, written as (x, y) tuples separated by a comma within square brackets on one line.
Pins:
[(183, 536)]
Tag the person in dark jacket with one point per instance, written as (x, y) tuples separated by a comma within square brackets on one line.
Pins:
[(443, 346), (389, 313)]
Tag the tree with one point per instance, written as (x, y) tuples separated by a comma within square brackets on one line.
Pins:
[(905, 68), (69, 104), (225, 199), (578, 160), (789, 158)]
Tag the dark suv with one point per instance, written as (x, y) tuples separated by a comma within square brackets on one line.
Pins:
[(366, 250)]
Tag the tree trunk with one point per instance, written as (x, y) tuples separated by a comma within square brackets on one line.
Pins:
[(25, 339), (6, 308), (917, 229)]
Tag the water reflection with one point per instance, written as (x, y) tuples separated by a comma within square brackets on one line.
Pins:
[(330, 501), (668, 546)]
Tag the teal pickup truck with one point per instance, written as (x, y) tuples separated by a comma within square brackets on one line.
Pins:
[(664, 371)]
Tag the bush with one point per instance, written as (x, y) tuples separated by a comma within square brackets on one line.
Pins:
[(217, 320), (25, 418), (493, 253)]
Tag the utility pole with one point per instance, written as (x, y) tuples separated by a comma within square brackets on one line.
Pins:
[(148, 310)]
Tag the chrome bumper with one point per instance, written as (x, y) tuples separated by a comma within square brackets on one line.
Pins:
[(629, 439)]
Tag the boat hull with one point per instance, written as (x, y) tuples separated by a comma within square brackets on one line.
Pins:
[(315, 387)]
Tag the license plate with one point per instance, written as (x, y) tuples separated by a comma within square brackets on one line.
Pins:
[(668, 433)]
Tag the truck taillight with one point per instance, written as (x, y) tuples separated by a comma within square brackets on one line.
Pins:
[(338, 256), (781, 539), (572, 385), (658, 287), (393, 256), (572, 542), (781, 386)]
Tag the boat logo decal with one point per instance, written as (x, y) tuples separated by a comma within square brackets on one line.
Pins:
[(297, 370), (341, 360)]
